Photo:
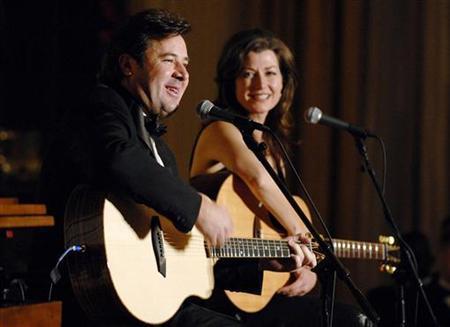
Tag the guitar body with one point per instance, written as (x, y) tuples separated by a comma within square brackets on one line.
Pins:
[(135, 264), (252, 220)]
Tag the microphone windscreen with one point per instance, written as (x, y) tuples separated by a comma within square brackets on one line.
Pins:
[(313, 115), (203, 108)]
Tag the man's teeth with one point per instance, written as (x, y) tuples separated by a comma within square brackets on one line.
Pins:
[(172, 89)]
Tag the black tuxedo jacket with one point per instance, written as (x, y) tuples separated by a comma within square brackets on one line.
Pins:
[(104, 143)]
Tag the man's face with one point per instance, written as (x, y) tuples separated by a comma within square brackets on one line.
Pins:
[(162, 78)]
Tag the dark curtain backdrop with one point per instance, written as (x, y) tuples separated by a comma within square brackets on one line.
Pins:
[(381, 64)]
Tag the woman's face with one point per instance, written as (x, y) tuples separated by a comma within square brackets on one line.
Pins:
[(259, 85)]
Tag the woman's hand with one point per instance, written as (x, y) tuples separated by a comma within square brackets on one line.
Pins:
[(301, 256), (301, 282), (302, 279)]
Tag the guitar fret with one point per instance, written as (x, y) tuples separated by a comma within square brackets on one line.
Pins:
[(260, 252), (287, 252), (227, 248)]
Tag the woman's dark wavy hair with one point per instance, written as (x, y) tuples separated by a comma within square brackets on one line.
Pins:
[(132, 38), (230, 66)]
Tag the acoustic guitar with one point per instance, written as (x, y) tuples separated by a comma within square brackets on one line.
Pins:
[(136, 264), (250, 219)]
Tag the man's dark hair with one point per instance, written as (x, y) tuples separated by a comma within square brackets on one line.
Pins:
[(133, 38)]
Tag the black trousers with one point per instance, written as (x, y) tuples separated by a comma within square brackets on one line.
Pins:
[(280, 312)]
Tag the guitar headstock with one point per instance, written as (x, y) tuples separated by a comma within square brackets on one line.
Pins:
[(392, 259), (385, 251)]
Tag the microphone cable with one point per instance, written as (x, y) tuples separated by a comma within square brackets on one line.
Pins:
[(383, 151), (55, 275)]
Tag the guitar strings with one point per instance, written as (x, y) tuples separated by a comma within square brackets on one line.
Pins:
[(262, 247)]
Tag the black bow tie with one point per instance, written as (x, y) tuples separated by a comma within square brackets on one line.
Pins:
[(153, 126)]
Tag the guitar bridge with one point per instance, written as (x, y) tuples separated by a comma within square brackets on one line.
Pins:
[(158, 245)]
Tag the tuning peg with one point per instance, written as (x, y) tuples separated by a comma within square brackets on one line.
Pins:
[(386, 239), (388, 269)]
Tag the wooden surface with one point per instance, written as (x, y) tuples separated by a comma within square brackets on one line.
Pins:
[(16, 215), (8, 200), (22, 209), (32, 315), (26, 221)]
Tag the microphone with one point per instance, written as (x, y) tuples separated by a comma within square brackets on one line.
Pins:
[(314, 115), (207, 110)]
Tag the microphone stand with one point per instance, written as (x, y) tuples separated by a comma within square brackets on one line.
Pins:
[(331, 261), (405, 249)]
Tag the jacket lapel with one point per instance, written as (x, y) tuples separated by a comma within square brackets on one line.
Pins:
[(142, 132)]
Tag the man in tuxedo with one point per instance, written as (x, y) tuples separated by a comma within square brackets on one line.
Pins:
[(113, 142)]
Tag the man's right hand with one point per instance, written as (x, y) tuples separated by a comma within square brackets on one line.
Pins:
[(214, 222)]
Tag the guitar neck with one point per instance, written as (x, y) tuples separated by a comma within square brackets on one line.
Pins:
[(250, 248), (359, 250), (266, 248)]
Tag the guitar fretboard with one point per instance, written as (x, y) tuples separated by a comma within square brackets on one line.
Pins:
[(266, 248), (251, 248), (359, 250)]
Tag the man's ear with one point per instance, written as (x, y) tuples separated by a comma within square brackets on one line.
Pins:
[(128, 64)]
